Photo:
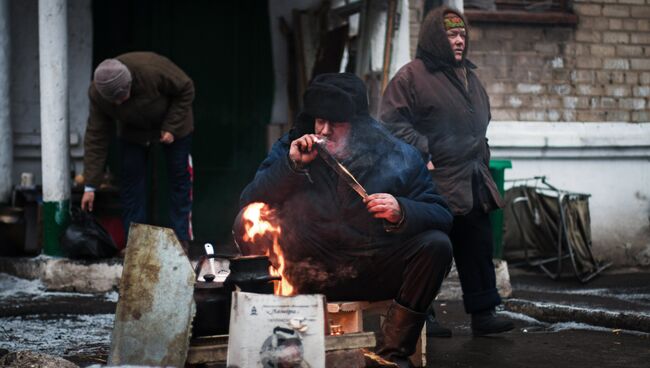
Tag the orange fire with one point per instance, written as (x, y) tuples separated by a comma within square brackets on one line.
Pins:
[(257, 226)]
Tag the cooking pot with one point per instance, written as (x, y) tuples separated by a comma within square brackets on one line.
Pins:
[(251, 274), (212, 304), (213, 299)]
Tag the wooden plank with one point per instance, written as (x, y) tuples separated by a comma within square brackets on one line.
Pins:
[(522, 17), (207, 354), (360, 340), (214, 349)]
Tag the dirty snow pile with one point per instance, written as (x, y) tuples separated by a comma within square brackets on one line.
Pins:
[(63, 335), (12, 286), (47, 333)]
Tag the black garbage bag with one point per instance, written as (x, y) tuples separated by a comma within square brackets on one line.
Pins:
[(85, 238)]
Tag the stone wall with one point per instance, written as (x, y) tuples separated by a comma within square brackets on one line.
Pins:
[(598, 70)]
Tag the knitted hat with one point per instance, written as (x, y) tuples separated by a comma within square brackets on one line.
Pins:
[(327, 101), (112, 79), (453, 20)]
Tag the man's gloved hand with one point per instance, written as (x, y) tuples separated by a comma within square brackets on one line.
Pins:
[(87, 201), (384, 206), (166, 137), (303, 151)]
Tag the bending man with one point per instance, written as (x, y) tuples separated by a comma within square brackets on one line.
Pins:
[(149, 99)]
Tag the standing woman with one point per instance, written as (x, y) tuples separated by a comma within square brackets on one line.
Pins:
[(437, 104)]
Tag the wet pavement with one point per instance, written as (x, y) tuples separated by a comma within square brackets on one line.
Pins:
[(535, 344), (77, 326)]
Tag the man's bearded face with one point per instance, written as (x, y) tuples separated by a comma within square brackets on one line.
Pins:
[(336, 133)]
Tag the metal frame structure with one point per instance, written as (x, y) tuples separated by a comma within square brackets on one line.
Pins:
[(565, 247)]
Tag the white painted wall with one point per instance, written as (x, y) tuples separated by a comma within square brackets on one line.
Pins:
[(610, 161), (25, 95)]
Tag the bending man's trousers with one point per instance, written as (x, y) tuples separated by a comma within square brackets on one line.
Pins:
[(133, 184)]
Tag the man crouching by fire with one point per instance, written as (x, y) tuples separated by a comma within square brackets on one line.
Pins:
[(390, 244)]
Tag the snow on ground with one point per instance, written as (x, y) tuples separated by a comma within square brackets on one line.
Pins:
[(58, 336), (544, 327), (585, 310), (51, 334), (637, 294), (12, 286)]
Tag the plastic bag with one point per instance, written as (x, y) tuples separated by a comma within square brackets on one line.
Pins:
[(85, 238)]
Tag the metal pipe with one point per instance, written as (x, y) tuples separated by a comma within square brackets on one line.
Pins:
[(53, 66), (6, 134)]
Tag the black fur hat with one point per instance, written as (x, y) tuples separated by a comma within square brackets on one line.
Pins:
[(336, 97), (327, 101), (351, 84)]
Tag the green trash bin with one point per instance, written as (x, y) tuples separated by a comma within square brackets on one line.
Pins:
[(497, 169)]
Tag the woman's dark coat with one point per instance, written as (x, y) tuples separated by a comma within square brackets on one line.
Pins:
[(428, 105)]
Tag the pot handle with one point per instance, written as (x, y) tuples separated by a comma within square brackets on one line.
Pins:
[(202, 259)]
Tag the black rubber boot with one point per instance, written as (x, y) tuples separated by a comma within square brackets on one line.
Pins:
[(400, 332), (487, 322), (434, 329)]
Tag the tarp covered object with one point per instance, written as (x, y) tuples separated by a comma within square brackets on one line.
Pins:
[(546, 222)]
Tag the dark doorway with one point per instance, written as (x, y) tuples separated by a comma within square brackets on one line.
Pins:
[(225, 47)]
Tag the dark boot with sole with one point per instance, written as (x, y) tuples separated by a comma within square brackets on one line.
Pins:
[(487, 322), (434, 329), (400, 332)]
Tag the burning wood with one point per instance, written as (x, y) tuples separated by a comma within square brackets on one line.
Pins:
[(260, 231)]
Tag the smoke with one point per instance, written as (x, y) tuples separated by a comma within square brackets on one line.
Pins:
[(373, 149)]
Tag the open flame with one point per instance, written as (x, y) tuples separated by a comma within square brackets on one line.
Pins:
[(257, 227)]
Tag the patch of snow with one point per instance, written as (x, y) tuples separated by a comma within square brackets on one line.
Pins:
[(611, 312), (544, 327), (112, 296), (623, 293), (562, 326), (521, 317), (56, 336), (12, 286)]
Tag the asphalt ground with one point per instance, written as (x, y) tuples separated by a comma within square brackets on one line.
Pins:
[(534, 344), (77, 326)]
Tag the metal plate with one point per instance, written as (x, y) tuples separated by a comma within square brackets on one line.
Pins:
[(156, 305)]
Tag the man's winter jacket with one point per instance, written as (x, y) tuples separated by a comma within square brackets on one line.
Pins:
[(161, 99)]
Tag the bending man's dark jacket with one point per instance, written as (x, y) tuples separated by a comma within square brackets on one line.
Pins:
[(323, 219), (161, 99)]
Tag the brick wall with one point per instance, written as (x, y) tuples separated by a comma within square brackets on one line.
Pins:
[(598, 70)]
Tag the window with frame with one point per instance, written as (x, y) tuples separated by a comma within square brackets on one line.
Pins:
[(556, 12)]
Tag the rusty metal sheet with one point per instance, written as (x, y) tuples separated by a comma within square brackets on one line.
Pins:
[(156, 305)]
